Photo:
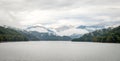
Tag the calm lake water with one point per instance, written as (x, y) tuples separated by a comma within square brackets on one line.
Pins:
[(59, 51)]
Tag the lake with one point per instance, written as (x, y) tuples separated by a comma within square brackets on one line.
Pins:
[(59, 51)]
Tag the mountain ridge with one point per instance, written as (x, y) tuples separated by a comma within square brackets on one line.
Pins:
[(109, 35), (66, 30)]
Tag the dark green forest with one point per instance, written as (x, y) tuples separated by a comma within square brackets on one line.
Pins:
[(9, 34), (110, 35), (34, 35)]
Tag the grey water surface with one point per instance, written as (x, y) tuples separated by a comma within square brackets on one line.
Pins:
[(59, 51)]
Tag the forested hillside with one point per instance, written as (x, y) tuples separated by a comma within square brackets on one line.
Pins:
[(34, 35), (49, 36), (110, 35), (9, 34)]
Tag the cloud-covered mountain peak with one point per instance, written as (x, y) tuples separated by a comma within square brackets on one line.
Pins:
[(39, 28), (68, 30)]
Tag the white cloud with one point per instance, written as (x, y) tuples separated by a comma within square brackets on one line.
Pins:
[(72, 31), (19, 13)]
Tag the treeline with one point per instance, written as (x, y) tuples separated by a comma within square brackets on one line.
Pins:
[(110, 35), (34, 35), (9, 34)]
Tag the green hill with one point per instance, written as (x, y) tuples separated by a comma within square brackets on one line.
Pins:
[(110, 35), (9, 34)]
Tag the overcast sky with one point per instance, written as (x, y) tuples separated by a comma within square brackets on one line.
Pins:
[(19, 13)]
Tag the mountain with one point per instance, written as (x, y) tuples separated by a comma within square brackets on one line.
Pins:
[(48, 36), (28, 35), (15, 34), (78, 31), (64, 30), (10, 34), (75, 36), (41, 32), (39, 28), (99, 26), (91, 27), (111, 35), (102, 25), (69, 30)]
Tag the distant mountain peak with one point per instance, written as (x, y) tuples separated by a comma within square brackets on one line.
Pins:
[(39, 28)]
